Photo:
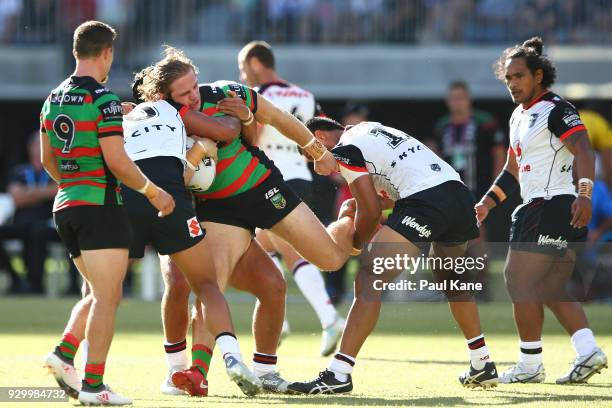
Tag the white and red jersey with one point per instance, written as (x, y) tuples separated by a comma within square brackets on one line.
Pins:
[(155, 129), (536, 137), (282, 150), (399, 164)]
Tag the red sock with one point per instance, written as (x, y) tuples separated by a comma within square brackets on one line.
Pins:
[(68, 346)]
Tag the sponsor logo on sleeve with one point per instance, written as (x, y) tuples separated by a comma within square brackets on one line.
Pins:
[(571, 118), (112, 110)]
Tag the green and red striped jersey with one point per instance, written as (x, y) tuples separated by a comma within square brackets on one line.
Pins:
[(75, 115), (240, 166)]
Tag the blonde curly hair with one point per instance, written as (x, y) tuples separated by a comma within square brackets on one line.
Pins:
[(157, 80)]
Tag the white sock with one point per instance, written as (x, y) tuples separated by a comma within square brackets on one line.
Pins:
[(311, 284), (84, 347), (531, 354), (479, 352), (583, 342), (264, 364), (229, 345), (176, 355), (342, 366)]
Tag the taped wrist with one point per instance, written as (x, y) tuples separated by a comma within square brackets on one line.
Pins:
[(315, 149), (585, 187), (504, 185)]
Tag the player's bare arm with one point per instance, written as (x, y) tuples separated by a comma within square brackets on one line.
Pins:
[(250, 133), (506, 183), (584, 161), (368, 211), (222, 129), (203, 147), (25, 196)]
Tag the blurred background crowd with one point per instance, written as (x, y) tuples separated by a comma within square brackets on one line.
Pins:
[(314, 21), (469, 131)]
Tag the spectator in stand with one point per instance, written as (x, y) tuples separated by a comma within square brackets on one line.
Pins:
[(289, 20), (33, 191), (7, 209), (361, 21), (600, 228), (492, 22), (402, 20), (445, 20), (600, 135), (120, 15), (537, 17), (592, 278), (9, 16), (471, 142)]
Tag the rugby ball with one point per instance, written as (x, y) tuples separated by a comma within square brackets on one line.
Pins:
[(204, 175)]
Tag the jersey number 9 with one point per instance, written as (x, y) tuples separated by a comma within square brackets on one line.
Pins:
[(63, 126)]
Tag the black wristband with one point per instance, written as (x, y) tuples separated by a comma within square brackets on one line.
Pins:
[(494, 197), (507, 183)]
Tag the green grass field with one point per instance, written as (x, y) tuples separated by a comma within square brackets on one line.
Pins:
[(413, 357)]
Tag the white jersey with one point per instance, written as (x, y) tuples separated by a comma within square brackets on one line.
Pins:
[(282, 150), (155, 129), (399, 164), (536, 135)]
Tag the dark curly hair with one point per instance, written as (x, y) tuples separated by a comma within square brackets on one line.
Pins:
[(531, 50), (138, 80)]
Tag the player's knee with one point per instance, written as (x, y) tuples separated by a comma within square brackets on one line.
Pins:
[(275, 288), (108, 297), (207, 289), (86, 302), (177, 286), (332, 262), (366, 287)]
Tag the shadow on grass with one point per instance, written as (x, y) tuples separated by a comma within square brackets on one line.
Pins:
[(445, 362), (493, 398)]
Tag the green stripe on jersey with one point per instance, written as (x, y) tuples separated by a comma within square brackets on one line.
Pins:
[(71, 117), (230, 181)]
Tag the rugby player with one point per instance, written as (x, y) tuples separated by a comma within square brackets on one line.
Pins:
[(82, 150), (155, 138), (386, 168), (257, 69), (548, 143), (248, 192)]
